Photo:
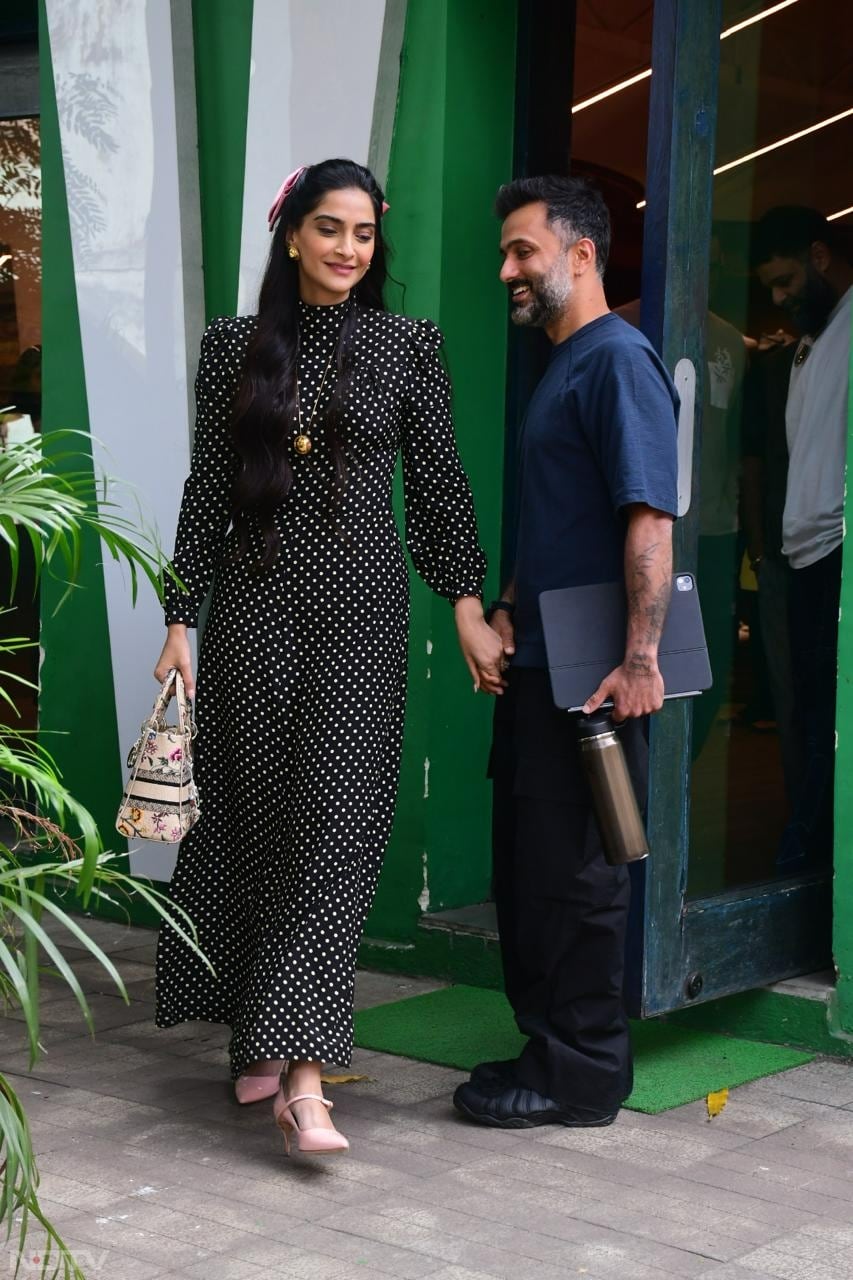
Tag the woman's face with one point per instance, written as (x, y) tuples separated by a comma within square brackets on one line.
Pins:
[(335, 242)]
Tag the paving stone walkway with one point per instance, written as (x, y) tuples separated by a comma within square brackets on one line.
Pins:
[(154, 1173)]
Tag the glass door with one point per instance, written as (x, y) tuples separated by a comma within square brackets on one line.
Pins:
[(20, 343), (751, 109)]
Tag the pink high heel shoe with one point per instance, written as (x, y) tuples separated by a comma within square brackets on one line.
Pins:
[(314, 1142), (252, 1088)]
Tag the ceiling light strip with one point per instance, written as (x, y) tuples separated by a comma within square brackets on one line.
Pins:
[(644, 75), (783, 142), (756, 17), (830, 217), (608, 93)]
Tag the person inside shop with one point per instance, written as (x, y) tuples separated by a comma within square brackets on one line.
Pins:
[(798, 257), (597, 500), (764, 482)]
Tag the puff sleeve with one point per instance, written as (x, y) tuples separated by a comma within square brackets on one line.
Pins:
[(441, 527), (206, 504)]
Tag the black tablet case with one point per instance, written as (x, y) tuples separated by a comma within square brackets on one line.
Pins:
[(585, 640)]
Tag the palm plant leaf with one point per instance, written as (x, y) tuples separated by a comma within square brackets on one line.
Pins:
[(32, 768), (18, 982), (55, 505), (19, 1194), (56, 502), (82, 937), (33, 932), (18, 1172)]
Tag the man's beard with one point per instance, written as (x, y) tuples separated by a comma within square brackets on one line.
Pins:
[(548, 297), (811, 307)]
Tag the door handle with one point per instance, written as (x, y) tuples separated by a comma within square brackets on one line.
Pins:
[(684, 378)]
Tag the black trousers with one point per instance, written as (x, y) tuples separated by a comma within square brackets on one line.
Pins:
[(813, 600), (562, 911)]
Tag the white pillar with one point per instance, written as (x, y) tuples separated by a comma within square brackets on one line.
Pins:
[(136, 239)]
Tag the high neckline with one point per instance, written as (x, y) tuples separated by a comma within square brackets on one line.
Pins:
[(321, 310)]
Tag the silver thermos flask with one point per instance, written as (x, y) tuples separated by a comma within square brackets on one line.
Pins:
[(622, 832)]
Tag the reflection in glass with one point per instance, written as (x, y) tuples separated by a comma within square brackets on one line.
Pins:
[(785, 124), (20, 372), (613, 45)]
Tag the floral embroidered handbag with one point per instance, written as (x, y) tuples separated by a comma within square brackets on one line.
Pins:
[(160, 800)]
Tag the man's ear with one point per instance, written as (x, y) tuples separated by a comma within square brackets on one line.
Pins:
[(582, 256), (820, 256)]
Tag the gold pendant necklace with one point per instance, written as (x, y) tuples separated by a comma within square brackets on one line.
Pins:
[(303, 443)]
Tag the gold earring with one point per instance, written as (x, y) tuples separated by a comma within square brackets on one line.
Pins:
[(292, 252)]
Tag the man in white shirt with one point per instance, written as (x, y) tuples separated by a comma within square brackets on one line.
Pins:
[(798, 258)]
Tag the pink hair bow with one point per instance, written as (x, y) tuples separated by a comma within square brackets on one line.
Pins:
[(283, 192)]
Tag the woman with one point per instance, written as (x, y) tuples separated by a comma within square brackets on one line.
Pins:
[(302, 411)]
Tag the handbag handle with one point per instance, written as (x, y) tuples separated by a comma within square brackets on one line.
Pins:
[(185, 706), (156, 720)]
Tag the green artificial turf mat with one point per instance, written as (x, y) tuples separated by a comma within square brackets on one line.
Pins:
[(461, 1026)]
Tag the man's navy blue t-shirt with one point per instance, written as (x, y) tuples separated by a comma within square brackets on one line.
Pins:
[(599, 433)]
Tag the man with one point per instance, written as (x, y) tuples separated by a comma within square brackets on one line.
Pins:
[(798, 259), (597, 498)]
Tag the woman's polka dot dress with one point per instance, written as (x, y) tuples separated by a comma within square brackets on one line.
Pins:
[(301, 685)]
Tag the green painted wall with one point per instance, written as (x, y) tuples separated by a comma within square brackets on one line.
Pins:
[(76, 677), (452, 147), (222, 41), (843, 906)]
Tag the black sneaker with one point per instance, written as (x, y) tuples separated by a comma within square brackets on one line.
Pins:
[(516, 1107), (495, 1075)]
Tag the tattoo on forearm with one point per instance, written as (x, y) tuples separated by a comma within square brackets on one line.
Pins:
[(648, 589), (639, 665)]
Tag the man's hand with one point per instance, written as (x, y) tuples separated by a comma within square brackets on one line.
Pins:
[(635, 688), (501, 622)]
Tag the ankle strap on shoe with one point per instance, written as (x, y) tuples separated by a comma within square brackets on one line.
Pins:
[(311, 1097)]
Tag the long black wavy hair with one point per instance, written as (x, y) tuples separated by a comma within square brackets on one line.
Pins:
[(265, 410)]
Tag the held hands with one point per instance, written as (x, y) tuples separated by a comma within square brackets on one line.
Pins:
[(176, 653), (635, 688), (485, 650)]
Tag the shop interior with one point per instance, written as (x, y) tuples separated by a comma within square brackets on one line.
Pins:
[(784, 129)]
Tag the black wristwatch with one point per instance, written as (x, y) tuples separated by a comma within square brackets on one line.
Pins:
[(506, 605)]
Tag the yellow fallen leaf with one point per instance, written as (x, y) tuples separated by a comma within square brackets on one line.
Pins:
[(716, 1101), (342, 1079)]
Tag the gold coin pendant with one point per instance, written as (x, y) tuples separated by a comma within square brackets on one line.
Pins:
[(302, 444)]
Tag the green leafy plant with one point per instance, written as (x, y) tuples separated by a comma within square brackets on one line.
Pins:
[(53, 501)]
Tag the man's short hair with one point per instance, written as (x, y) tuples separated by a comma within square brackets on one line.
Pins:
[(576, 207), (789, 231)]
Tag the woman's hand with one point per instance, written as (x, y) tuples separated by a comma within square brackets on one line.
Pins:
[(176, 653), (481, 646)]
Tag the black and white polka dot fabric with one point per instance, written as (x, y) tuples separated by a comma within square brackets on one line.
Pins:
[(301, 685)]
